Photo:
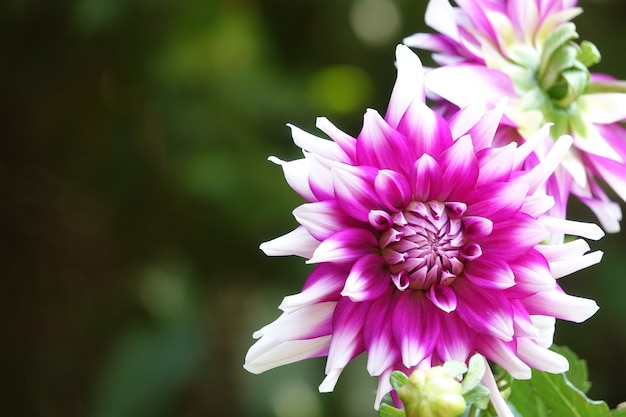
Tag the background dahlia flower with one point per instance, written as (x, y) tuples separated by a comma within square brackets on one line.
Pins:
[(428, 245), (523, 50)]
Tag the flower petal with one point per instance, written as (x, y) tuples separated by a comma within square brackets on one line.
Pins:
[(490, 272), (354, 190), (268, 353), (409, 85), (345, 246), (381, 146), (465, 83), (324, 283), (560, 305), (426, 178), (382, 352), (323, 218), (369, 278), (313, 144), (305, 323), (415, 329), (460, 169), (297, 242), (393, 190), (486, 311)]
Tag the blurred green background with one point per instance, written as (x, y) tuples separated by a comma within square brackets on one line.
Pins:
[(135, 190)]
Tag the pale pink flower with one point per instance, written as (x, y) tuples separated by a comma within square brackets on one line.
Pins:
[(429, 245), (524, 50)]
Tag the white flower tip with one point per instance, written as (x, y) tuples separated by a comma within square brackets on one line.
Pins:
[(564, 140), (275, 160), (328, 384), (595, 232)]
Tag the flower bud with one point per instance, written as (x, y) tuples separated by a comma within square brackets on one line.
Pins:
[(432, 393)]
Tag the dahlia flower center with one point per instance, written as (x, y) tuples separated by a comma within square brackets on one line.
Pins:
[(425, 244)]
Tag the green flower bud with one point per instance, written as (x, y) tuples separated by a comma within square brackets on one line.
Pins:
[(432, 393)]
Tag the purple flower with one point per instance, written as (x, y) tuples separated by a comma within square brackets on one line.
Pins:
[(429, 245), (524, 50)]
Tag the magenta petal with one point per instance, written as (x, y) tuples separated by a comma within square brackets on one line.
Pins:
[(490, 272), (425, 131), (476, 227), (382, 351), (347, 338), (345, 141), (415, 327), (392, 189), (532, 275), (504, 354), (381, 146), (345, 246), (486, 311), (460, 169), (495, 164), (426, 178), (322, 219), (456, 340), (515, 236), (354, 190), (369, 278), (443, 297), (497, 201), (324, 283)]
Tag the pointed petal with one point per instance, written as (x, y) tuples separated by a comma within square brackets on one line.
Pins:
[(297, 176), (393, 189), (324, 283), (409, 85), (345, 141), (382, 352), (415, 329), (560, 305), (381, 146), (460, 169), (306, 323), (495, 164), (486, 311), (497, 201), (345, 246), (442, 297), (313, 144), (499, 403), (322, 219), (504, 354), (463, 84), (354, 190), (541, 358), (426, 178), (490, 272), (369, 278), (297, 242), (425, 131), (347, 339), (268, 353)]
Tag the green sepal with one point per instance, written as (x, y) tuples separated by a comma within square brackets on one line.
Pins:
[(397, 379), (455, 368), (387, 410), (561, 35), (588, 54), (576, 80), (477, 396)]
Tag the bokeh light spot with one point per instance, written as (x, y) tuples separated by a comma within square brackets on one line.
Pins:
[(340, 89), (375, 22)]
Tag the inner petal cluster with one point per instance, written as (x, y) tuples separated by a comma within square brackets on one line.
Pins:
[(425, 245)]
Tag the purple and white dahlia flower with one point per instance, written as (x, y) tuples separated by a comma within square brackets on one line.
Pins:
[(525, 50), (429, 245)]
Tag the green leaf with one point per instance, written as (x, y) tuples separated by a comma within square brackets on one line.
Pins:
[(386, 410), (618, 413), (548, 394), (478, 397), (398, 379), (577, 373)]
